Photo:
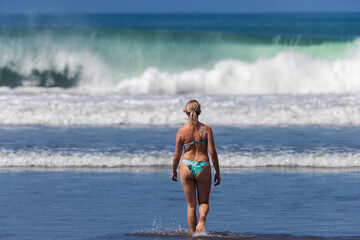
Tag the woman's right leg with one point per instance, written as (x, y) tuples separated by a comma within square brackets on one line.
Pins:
[(189, 186), (203, 185)]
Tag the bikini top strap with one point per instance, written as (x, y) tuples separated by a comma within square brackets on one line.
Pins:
[(201, 133), (198, 141)]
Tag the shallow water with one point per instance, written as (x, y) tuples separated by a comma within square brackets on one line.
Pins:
[(124, 204)]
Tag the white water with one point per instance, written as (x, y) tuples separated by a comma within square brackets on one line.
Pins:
[(164, 159), (64, 108), (288, 72), (292, 70)]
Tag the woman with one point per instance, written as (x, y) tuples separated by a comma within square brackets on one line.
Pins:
[(195, 171)]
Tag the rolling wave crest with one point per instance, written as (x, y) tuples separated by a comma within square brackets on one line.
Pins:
[(127, 64), (70, 109), (288, 72), (82, 160)]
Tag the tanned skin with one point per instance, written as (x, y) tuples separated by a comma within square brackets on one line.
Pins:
[(202, 183)]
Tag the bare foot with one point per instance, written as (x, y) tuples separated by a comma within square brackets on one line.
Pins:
[(200, 225)]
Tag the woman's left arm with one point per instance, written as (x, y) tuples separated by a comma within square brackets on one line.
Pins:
[(177, 155)]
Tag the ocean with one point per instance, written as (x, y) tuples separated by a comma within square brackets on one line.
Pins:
[(90, 105)]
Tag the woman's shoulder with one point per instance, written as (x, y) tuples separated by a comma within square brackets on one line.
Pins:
[(182, 129), (207, 130), (206, 127), (187, 128)]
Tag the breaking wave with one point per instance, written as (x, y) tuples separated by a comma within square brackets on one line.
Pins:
[(57, 108), (157, 159), (140, 62), (288, 72)]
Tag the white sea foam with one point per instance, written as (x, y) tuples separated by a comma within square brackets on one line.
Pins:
[(291, 88), (69, 109), (288, 72), (156, 159), (291, 71)]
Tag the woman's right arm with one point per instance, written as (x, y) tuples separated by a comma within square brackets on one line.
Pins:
[(177, 155), (214, 157)]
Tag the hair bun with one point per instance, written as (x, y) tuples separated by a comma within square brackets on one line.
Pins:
[(194, 108)]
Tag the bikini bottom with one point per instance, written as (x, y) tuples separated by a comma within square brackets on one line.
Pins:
[(195, 166)]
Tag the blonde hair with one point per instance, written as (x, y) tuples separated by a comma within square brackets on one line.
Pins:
[(193, 107)]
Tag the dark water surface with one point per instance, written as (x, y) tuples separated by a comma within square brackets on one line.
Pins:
[(138, 204)]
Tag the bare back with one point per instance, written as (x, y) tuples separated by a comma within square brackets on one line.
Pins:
[(196, 151)]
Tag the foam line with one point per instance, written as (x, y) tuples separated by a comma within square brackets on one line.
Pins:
[(70, 109), (227, 160)]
